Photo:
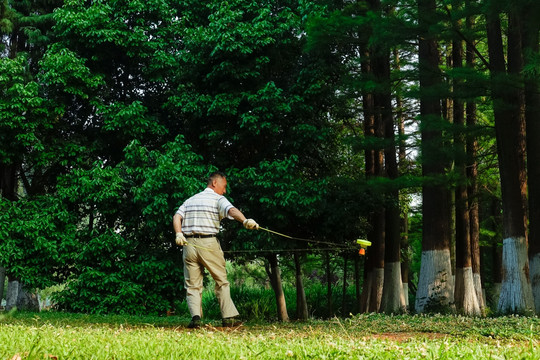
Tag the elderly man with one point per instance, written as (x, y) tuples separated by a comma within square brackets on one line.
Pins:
[(196, 223)]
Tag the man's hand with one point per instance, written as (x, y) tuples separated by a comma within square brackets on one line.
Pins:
[(180, 239), (250, 224)]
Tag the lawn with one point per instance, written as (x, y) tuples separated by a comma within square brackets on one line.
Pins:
[(50, 335)]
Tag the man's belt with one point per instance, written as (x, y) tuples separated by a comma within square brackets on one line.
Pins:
[(199, 236)]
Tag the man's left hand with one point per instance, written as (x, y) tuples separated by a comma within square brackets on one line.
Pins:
[(180, 239), (250, 224)]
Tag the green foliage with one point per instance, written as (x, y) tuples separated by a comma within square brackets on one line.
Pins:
[(229, 84), (21, 111), (67, 73), (37, 240), (281, 187), (120, 82), (126, 259)]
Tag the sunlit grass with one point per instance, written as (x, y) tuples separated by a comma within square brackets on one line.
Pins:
[(74, 336)]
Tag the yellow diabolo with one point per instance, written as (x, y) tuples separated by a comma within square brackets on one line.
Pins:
[(363, 246)]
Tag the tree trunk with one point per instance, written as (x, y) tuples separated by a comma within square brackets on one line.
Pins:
[(2, 283), (435, 283), (8, 180), (376, 259), (301, 303), (366, 292), (405, 258), (18, 297), (516, 290), (357, 302), (496, 253), (474, 216), (494, 213), (392, 299), (465, 293), (373, 272), (532, 103), (472, 188), (329, 298), (274, 273), (378, 248), (12, 294), (404, 222), (344, 289), (369, 131)]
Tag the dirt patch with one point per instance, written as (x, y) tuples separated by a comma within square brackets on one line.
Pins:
[(401, 337)]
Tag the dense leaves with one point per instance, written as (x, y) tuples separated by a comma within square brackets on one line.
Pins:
[(37, 240), (126, 260), (22, 113)]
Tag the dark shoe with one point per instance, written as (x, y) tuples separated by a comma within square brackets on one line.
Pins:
[(231, 322), (195, 322)]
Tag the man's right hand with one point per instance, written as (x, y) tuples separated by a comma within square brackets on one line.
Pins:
[(180, 239)]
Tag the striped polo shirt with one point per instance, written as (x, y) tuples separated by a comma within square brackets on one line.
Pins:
[(202, 213)]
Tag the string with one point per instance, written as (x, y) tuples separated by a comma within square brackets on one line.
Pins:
[(287, 250), (199, 246), (302, 239)]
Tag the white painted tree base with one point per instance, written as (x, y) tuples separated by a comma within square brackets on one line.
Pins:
[(480, 293), (406, 294), (393, 299), (12, 294), (465, 294), (435, 283), (18, 297), (535, 280), (516, 291)]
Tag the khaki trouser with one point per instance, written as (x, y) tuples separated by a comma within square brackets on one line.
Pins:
[(195, 260)]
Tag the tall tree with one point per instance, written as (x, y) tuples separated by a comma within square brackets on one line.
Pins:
[(373, 129), (472, 174), (392, 298), (435, 283), (374, 272), (530, 52), (465, 293), (403, 168), (516, 291)]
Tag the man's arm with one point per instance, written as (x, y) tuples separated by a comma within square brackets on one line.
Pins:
[(248, 223), (237, 215), (177, 223)]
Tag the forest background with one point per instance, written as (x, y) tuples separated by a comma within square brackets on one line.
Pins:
[(412, 124)]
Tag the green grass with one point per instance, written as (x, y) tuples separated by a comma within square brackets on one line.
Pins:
[(50, 335)]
